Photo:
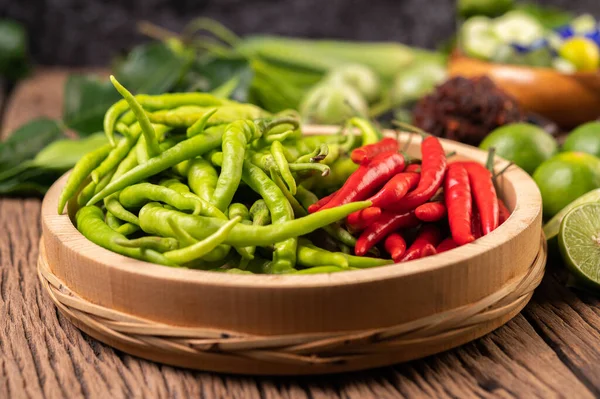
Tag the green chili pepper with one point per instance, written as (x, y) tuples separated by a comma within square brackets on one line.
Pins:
[(242, 235), (80, 172), (113, 205), (340, 171), (320, 269), (284, 256), (237, 135), (125, 166), (369, 133), (140, 114), (199, 126), (90, 222), (88, 191), (123, 129), (317, 155), (363, 262), (259, 213), (158, 244), (175, 184), (309, 256), (303, 167), (283, 166), (163, 101), (112, 221), (299, 211), (202, 178), (187, 149), (224, 114), (116, 155), (216, 158), (202, 248), (240, 210), (139, 194), (128, 118)]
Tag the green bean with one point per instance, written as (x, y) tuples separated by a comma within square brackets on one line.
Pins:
[(140, 114), (199, 126), (187, 149), (283, 166), (80, 172), (284, 257), (158, 244), (242, 235), (237, 135), (309, 256), (202, 178), (90, 222), (202, 248)]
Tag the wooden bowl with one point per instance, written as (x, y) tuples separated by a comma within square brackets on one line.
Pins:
[(276, 324), (567, 99)]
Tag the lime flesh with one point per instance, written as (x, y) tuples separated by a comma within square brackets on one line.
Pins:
[(553, 226), (579, 243)]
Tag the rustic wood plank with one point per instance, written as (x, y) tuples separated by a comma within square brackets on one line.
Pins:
[(43, 355)]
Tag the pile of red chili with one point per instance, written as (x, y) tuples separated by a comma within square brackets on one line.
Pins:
[(419, 208)]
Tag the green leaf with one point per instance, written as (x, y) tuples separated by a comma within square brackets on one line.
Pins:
[(63, 154), (13, 50), (31, 182), (153, 68), (86, 100), (212, 74), (27, 141)]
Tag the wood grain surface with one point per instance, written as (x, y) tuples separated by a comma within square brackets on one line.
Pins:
[(550, 350)]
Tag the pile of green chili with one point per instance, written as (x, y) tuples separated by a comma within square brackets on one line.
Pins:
[(192, 180)]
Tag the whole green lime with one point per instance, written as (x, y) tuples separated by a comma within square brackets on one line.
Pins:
[(524, 144), (564, 178), (586, 138)]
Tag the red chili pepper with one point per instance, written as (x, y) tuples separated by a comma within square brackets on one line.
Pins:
[(504, 213), (457, 194), (387, 223), (395, 245), (446, 245), (359, 220), (431, 211), (395, 189), (413, 167), (367, 179), (484, 194), (433, 169), (321, 202), (476, 223), (363, 155), (424, 245)]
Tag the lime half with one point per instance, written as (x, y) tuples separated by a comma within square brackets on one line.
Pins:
[(553, 226), (579, 242)]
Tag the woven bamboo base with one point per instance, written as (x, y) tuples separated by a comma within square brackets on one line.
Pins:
[(327, 352)]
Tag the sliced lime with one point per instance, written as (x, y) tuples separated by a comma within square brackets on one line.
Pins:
[(579, 242), (477, 39), (553, 226), (517, 27), (583, 24)]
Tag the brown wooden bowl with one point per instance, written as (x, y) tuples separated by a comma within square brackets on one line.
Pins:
[(277, 324), (567, 99)]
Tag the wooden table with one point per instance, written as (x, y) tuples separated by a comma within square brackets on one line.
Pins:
[(551, 349)]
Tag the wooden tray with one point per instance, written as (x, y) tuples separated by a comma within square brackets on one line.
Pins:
[(567, 99), (299, 324)]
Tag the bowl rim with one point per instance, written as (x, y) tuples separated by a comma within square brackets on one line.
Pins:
[(525, 210)]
